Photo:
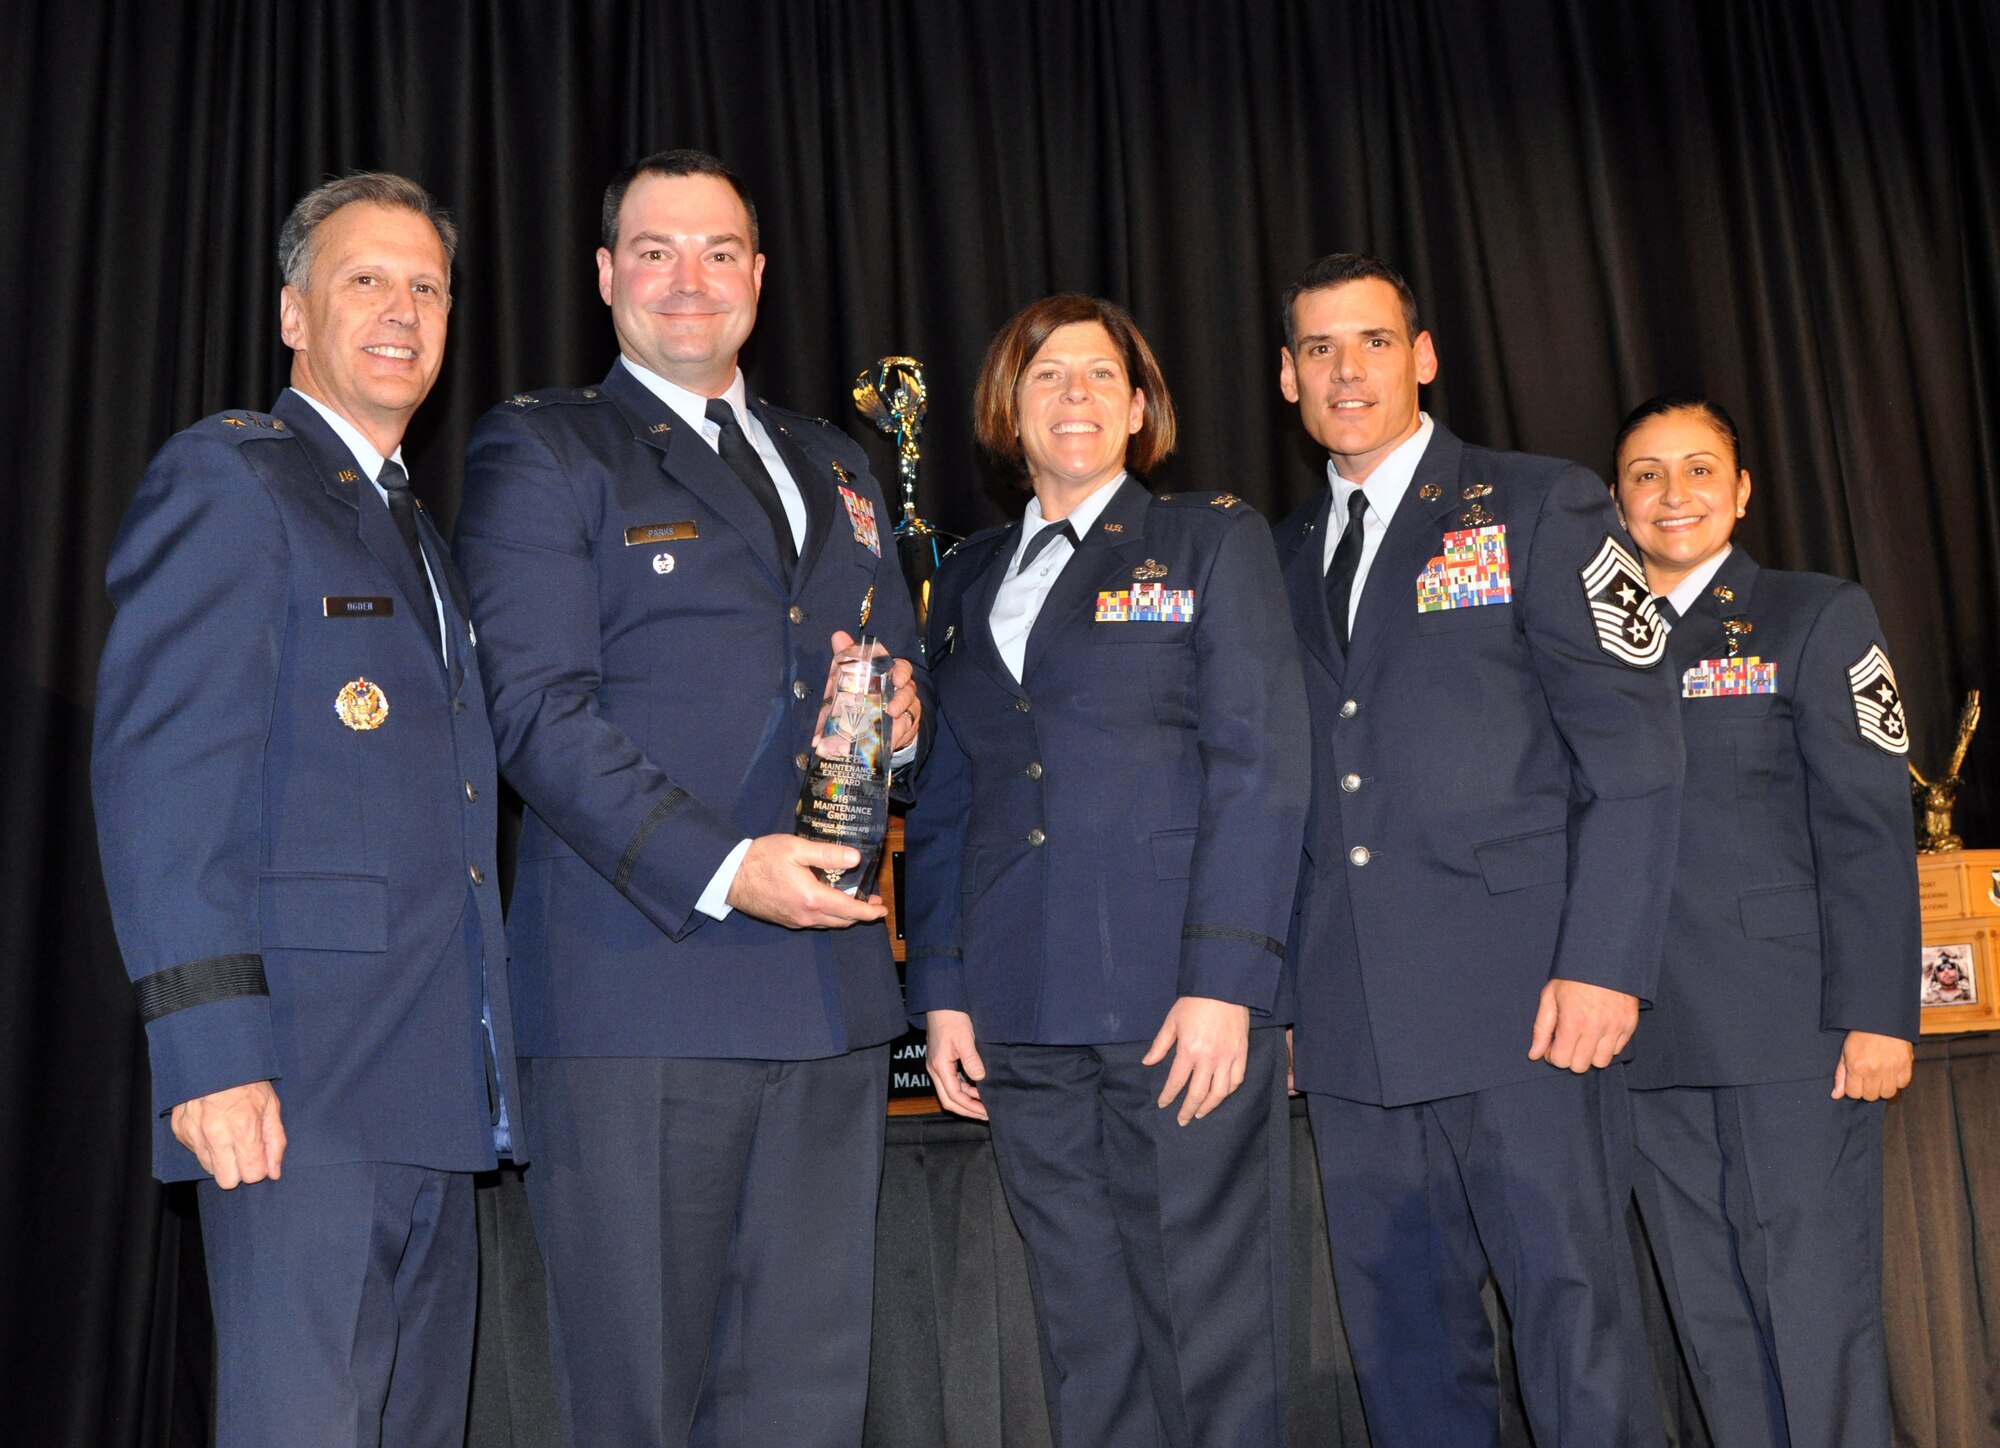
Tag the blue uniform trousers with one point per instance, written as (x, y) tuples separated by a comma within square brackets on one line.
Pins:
[(344, 1298), (1763, 1205), (1532, 1180), (709, 1232), (1157, 1253)]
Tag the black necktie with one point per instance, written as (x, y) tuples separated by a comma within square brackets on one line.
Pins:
[(1048, 534), (744, 462), (402, 507), (1346, 558), (1666, 610)]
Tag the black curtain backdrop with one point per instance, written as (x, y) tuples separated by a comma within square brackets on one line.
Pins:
[(1796, 207)]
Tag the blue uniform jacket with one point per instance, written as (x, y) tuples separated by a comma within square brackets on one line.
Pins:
[(298, 900), (1122, 826), (1496, 785), (654, 684), (1794, 916)]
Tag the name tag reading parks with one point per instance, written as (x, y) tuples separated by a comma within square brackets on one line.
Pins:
[(357, 606)]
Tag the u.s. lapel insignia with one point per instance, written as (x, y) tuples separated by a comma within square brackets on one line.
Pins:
[(1724, 592), (1878, 707), (1430, 492), (861, 514), (348, 475), (661, 427), (1734, 629), (1628, 627), (1730, 677), (1473, 570), (1476, 517), (867, 605), (840, 473), (361, 705), (1149, 570), (1112, 527)]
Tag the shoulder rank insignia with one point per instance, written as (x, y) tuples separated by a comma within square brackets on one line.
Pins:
[(361, 705), (1727, 678), (1878, 707), (523, 399), (1628, 627), (1145, 603), (234, 422), (860, 514), (1472, 570), (1224, 500), (1149, 570)]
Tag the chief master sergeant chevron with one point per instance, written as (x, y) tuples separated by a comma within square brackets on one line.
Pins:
[(1496, 792), (662, 565), (294, 782)]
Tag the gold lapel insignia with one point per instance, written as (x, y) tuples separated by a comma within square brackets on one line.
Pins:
[(661, 427), (867, 604), (348, 475), (1724, 592), (1149, 570), (838, 471), (1112, 527), (361, 705), (1430, 492)]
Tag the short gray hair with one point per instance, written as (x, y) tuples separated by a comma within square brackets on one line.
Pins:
[(298, 237)]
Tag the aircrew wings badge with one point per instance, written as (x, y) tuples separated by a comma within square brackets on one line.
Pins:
[(861, 513), (1629, 628), (1878, 707)]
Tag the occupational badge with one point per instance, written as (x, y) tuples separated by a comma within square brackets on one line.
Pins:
[(1629, 628), (361, 705), (1474, 491), (1734, 629), (1476, 516), (1145, 603), (860, 513), (1149, 570), (1727, 678), (1471, 571), (663, 563), (1878, 707)]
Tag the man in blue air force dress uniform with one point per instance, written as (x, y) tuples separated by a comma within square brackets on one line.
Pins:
[(661, 567), (294, 780), (1495, 790), (1794, 923)]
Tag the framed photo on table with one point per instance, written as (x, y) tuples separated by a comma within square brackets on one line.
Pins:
[(1957, 983)]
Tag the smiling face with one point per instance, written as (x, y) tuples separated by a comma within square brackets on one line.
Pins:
[(1354, 371), (1679, 492), (367, 329), (682, 282), (1077, 406)]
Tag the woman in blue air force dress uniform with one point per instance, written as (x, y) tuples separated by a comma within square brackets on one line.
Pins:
[(1788, 989), (1101, 864)]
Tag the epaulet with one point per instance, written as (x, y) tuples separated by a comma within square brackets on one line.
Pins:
[(1227, 502), (980, 537), (241, 425), (549, 396)]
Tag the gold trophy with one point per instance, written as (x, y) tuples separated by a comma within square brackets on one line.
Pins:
[(891, 395), (1934, 800)]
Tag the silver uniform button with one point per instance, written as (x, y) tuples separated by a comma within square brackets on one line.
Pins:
[(1349, 709), (1358, 855), (1036, 837), (478, 875), (1022, 705), (796, 614), (471, 790), (798, 688), (1350, 782), (799, 759), (1034, 771)]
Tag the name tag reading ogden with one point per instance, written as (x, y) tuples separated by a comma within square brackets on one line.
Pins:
[(358, 606)]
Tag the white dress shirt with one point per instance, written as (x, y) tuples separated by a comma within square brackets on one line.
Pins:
[(1685, 594), (371, 469), (1385, 488), (1023, 592), (692, 408)]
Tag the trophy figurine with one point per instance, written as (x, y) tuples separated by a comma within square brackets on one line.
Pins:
[(1935, 799), (891, 395), (845, 797)]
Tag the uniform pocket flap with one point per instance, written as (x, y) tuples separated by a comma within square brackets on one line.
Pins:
[(1520, 861), (325, 912), (1785, 910), (1173, 854)]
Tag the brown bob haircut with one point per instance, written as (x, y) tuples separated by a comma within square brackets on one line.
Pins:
[(996, 420)]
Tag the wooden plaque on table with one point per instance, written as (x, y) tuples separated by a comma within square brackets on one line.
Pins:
[(1960, 977)]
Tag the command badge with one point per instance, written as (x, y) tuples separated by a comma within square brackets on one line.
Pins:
[(361, 705), (860, 513), (1878, 708), (1629, 628)]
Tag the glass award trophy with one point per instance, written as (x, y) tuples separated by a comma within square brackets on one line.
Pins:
[(845, 798)]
